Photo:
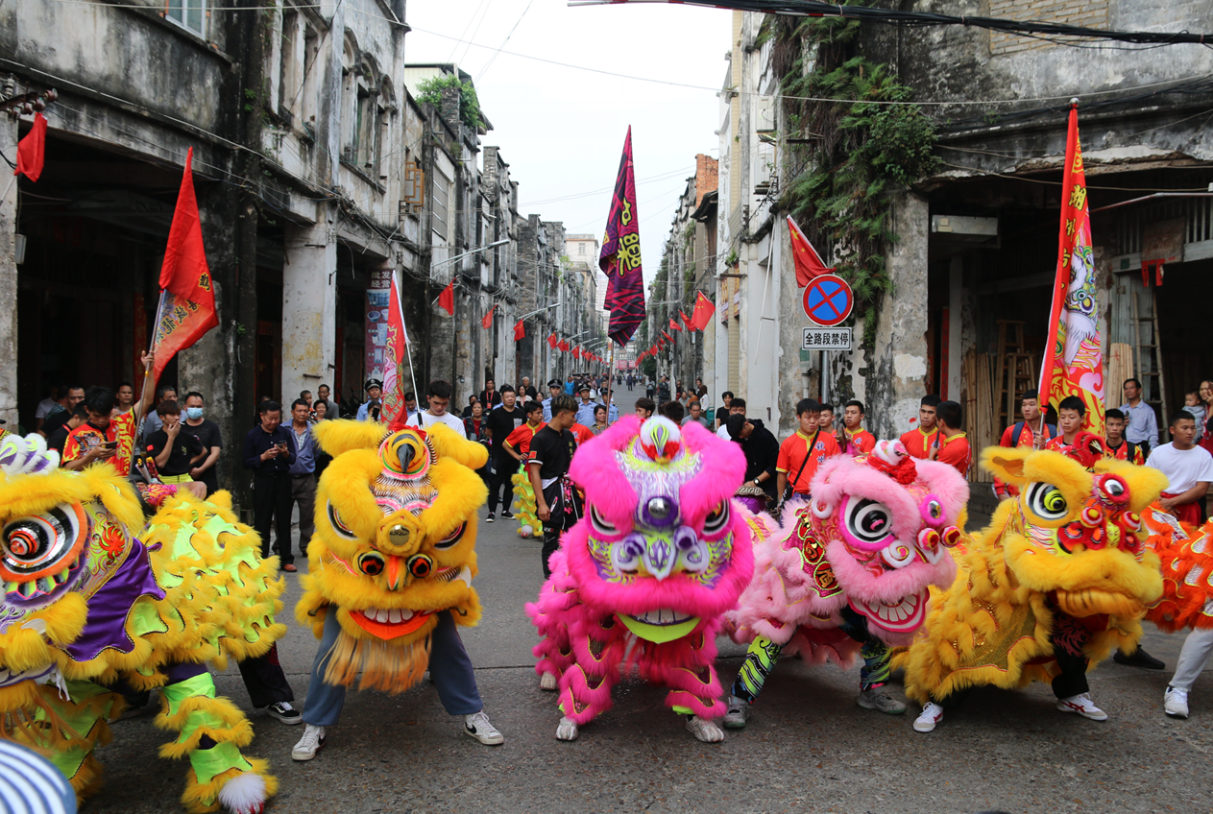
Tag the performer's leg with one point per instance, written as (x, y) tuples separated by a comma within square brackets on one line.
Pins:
[(551, 542), (451, 669), (759, 662), (875, 671), (324, 700), (1192, 659), (264, 679)]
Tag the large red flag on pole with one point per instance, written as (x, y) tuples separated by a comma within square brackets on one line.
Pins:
[(394, 412), (620, 257), (187, 298), (702, 314), (31, 150), (674, 326), (808, 262), (1073, 364), (487, 322), (446, 300), (552, 341), (519, 331)]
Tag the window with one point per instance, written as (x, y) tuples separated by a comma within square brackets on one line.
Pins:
[(581, 248), (439, 203), (189, 14), (288, 65)]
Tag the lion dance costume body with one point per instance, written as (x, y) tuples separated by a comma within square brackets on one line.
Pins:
[(391, 565), (849, 572), (1060, 578), (659, 556), (88, 604)]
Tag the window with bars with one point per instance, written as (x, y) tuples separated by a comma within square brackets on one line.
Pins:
[(439, 203)]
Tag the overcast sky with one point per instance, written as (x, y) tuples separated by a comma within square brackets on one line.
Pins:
[(561, 129)]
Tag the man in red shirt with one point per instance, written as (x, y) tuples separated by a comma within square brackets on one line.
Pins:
[(1115, 444), (802, 453), (1075, 442), (953, 448), (918, 441), (107, 435), (518, 443), (1026, 433), (852, 438)]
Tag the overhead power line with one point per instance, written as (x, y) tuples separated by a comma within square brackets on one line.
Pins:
[(926, 18)]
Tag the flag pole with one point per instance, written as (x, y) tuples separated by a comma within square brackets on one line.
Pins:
[(610, 376), (408, 349), (147, 373)]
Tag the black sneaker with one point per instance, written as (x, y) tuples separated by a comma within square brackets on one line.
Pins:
[(285, 713), (1140, 658), (507, 514), (490, 518)]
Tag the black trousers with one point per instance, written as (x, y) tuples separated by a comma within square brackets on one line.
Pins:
[(499, 482), (263, 678), (272, 499)]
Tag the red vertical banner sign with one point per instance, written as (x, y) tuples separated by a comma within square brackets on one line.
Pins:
[(620, 257), (378, 296), (395, 348), (1073, 363)]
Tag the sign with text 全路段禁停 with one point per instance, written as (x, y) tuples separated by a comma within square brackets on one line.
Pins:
[(826, 339)]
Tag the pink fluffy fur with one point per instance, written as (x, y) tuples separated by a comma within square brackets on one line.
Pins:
[(583, 641), (783, 603)]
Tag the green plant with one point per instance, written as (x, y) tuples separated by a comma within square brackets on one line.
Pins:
[(429, 91), (731, 260), (864, 148)]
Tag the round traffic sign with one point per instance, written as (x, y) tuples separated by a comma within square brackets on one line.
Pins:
[(828, 300)]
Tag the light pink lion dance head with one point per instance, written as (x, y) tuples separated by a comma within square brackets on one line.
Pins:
[(873, 536), (660, 555)]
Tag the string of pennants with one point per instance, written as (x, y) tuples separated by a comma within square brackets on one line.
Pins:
[(699, 319)]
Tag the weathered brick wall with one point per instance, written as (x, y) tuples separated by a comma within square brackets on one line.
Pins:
[(1086, 13)]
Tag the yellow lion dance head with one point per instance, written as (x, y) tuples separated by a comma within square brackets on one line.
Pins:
[(394, 546)]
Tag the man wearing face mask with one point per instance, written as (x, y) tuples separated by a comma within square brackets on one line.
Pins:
[(207, 432)]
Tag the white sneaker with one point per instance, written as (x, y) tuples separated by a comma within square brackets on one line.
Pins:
[(477, 725), (1083, 705), (738, 714), (1175, 703), (931, 714), (311, 743), (567, 729), (705, 730)]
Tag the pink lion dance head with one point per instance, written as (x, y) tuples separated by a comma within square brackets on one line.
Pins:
[(660, 555), (885, 520)]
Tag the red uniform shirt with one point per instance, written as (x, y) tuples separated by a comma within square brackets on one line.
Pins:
[(860, 442), (792, 454), (955, 451), (1121, 453), (520, 438), (919, 443), (581, 432), (86, 436)]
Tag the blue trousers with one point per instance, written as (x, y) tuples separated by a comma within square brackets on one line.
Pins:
[(450, 668)]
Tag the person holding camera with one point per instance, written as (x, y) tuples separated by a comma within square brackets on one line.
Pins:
[(269, 451)]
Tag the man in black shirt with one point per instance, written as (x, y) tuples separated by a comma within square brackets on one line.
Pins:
[(761, 451), (58, 436), (208, 433), (557, 503), (174, 448), (269, 451), (501, 422)]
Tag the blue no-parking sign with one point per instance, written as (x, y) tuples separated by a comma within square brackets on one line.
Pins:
[(828, 300)]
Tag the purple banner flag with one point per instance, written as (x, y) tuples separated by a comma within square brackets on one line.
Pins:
[(620, 258)]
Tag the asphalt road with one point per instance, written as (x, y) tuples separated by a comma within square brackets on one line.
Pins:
[(808, 748)]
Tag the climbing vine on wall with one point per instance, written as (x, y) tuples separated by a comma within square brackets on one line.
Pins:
[(856, 151)]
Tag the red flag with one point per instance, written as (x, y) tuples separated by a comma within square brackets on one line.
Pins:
[(564, 345), (686, 321), (808, 263), (394, 413), (31, 150), (1073, 356), (487, 322), (187, 301), (703, 312), (620, 257), (552, 341), (446, 300), (675, 326), (666, 335), (519, 331), (577, 353)]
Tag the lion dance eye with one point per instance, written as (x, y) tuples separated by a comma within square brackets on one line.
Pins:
[(39, 545), (600, 524), (717, 520), (338, 526), (420, 566), (452, 538), (1113, 489), (371, 563), (1046, 500), (869, 522)]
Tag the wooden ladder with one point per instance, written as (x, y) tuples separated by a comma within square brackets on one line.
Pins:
[(1148, 356), (1015, 372)]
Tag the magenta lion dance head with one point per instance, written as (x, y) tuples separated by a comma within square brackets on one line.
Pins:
[(660, 556)]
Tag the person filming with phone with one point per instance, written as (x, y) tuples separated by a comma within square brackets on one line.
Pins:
[(269, 451), (175, 449)]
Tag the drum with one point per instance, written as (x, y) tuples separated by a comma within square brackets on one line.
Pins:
[(752, 497)]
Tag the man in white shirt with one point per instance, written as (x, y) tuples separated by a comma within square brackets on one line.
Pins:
[(439, 396), (736, 407), (1189, 469)]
